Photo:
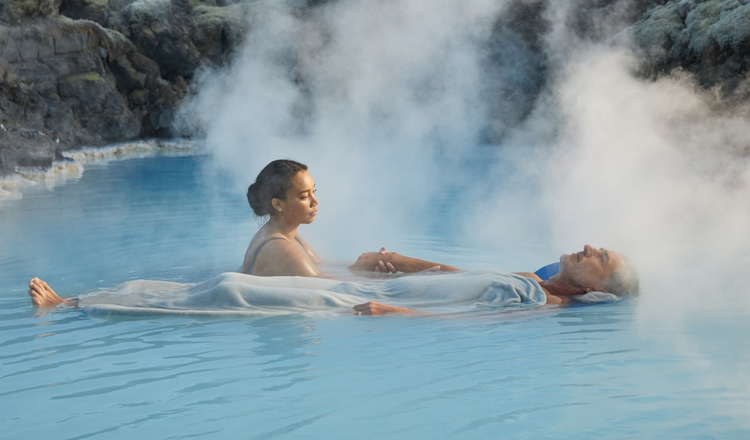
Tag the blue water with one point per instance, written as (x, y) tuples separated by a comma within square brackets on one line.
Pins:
[(579, 372)]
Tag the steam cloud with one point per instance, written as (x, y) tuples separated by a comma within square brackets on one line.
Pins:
[(388, 103), (380, 99)]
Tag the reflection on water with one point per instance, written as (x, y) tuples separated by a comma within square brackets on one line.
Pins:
[(552, 373)]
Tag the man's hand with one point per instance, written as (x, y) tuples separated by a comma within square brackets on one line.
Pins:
[(375, 308)]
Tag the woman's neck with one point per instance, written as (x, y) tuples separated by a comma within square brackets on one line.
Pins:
[(276, 225)]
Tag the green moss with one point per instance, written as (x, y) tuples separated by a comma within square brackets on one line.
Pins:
[(724, 22), (661, 27), (733, 29), (22, 9), (195, 3), (90, 77)]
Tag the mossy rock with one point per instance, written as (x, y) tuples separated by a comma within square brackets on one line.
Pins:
[(14, 11), (693, 28), (88, 88), (89, 76), (94, 10), (219, 30), (724, 23), (196, 3), (662, 29)]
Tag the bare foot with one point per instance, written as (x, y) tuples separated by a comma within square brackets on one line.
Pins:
[(43, 296)]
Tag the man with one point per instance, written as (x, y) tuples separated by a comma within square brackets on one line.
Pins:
[(580, 273), (590, 270)]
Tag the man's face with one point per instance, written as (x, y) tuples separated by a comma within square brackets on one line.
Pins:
[(590, 268)]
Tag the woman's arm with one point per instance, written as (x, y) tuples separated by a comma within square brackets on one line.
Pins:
[(310, 251), (394, 262)]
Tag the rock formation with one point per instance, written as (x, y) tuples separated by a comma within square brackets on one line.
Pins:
[(709, 39), (91, 72)]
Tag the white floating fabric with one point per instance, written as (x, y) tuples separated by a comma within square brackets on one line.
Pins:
[(239, 294)]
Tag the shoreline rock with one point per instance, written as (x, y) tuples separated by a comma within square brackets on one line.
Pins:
[(112, 71), (71, 164)]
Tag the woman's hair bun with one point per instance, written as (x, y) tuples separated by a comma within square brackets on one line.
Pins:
[(254, 201)]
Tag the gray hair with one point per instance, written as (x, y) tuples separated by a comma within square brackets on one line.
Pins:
[(624, 281)]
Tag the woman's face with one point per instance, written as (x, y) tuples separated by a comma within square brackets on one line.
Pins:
[(300, 205)]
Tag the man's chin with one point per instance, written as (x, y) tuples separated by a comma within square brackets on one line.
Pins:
[(565, 263)]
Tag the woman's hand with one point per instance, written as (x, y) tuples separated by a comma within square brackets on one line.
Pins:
[(381, 262), (375, 308)]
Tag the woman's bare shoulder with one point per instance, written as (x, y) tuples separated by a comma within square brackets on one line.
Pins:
[(282, 257), (310, 251), (260, 241)]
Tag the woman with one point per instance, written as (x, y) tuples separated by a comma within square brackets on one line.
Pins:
[(285, 192)]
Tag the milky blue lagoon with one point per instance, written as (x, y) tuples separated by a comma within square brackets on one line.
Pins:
[(578, 372)]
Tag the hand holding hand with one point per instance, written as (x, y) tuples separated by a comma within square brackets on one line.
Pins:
[(385, 267), (380, 262)]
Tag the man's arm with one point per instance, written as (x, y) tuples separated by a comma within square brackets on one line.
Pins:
[(375, 308)]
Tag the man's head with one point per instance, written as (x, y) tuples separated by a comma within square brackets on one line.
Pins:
[(598, 270)]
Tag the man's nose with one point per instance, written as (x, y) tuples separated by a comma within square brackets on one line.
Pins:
[(588, 250)]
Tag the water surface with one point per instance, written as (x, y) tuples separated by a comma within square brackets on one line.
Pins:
[(587, 371)]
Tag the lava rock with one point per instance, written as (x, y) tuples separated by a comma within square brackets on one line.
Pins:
[(219, 30), (161, 30), (16, 11), (94, 10), (710, 39)]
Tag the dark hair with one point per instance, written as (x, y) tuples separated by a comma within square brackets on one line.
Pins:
[(272, 183)]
